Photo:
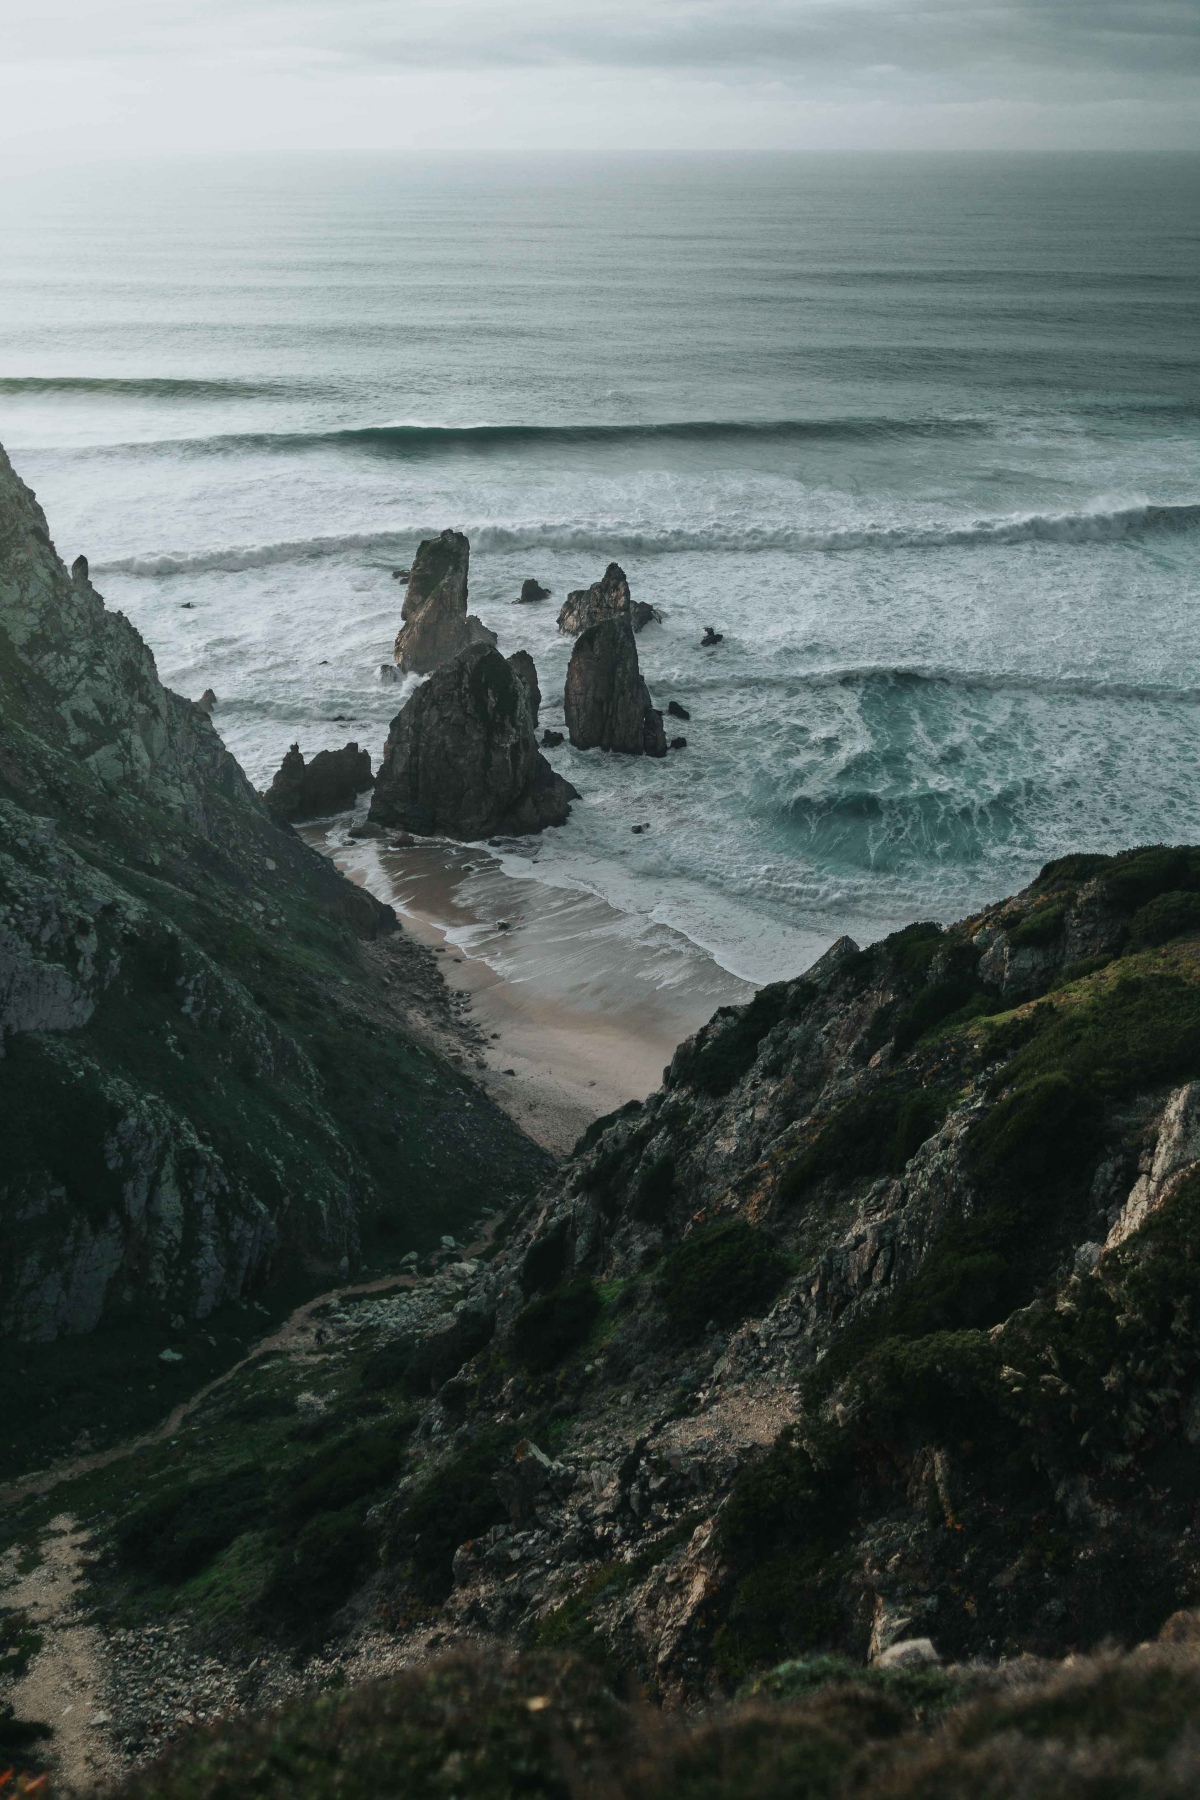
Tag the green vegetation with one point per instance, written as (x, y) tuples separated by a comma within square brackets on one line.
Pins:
[(1111, 1727), (720, 1273), (455, 1503), (1169, 916), (731, 1052), (875, 1133), (551, 1327)]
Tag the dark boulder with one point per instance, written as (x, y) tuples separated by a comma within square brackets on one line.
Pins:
[(607, 598), (79, 571), (676, 711), (436, 624), (330, 783), (711, 637), (525, 670), (207, 701), (607, 703), (533, 590), (678, 743), (551, 739), (461, 758)]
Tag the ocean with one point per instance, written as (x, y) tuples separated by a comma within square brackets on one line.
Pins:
[(919, 435)]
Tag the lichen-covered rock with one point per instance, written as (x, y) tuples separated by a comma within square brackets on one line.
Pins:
[(462, 760), (330, 783), (436, 624), (608, 598), (890, 1284), (607, 704), (186, 1012)]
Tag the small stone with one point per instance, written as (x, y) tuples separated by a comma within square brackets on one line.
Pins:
[(911, 1653), (678, 743), (711, 637), (676, 711)]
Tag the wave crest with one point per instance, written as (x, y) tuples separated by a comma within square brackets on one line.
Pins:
[(1095, 527)]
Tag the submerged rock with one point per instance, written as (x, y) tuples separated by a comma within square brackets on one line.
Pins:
[(330, 783), (551, 739), (607, 703), (533, 590), (461, 758), (711, 637), (436, 624), (676, 711), (525, 670), (607, 598)]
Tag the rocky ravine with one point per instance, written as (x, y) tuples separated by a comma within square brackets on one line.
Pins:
[(202, 1092), (873, 1332)]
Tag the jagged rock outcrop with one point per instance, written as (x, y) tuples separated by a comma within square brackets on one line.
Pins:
[(608, 598), (436, 624), (462, 760), (532, 590), (524, 668), (330, 783), (180, 978), (883, 1304), (607, 703)]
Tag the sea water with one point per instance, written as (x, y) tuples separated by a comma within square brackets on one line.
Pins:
[(919, 436)]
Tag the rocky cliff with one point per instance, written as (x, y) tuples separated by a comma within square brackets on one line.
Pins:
[(436, 624), (200, 1083), (872, 1335), (461, 758)]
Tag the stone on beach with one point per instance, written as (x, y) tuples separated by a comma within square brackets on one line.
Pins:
[(607, 598), (330, 783), (436, 624), (462, 760), (607, 703)]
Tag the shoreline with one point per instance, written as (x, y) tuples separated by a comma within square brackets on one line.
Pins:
[(570, 1009)]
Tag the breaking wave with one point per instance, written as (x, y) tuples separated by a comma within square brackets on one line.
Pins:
[(1092, 527)]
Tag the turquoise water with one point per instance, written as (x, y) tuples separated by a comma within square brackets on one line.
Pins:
[(920, 436)]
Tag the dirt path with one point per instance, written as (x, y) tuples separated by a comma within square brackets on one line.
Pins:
[(288, 1337), (64, 1681)]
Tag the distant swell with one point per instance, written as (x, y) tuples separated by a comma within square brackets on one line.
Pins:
[(415, 439), (137, 387), (621, 539)]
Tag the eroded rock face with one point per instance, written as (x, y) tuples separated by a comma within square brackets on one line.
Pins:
[(462, 760), (436, 624), (608, 598), (607, 703), (330, 783), (524, 668), (165, 1138)]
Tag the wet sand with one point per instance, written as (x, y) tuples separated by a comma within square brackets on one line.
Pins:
[(580, 1008)]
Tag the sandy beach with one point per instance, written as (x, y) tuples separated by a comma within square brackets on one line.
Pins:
[(578, 1010)]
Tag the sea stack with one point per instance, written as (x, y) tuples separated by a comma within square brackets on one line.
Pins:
[(525, 670), (607, 703), (607, 598), (462, 760), (437, 626), (330, 783)]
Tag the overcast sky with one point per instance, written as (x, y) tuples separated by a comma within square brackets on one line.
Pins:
[(87, 78)]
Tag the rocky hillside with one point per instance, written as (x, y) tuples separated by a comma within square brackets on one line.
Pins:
[(206, 1075), (873, 1335)]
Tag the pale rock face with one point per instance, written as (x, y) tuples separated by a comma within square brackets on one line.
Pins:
[(608, 598), (106, 1187), (1176, 1155), (437, 626)]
